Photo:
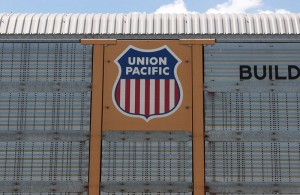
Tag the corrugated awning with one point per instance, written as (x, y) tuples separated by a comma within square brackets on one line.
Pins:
[(143, 24)]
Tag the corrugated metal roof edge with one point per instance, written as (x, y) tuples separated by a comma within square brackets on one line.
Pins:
[(149, 24), (58, 38)]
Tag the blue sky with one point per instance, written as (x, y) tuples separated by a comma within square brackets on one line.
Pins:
[(149, 6)]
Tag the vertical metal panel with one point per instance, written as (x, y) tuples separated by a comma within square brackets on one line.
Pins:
[(140, 157), (28, 164), (43, 23), (142, 24), (252, 162), (51, 193), (246, 107), (44, 111), (49, 62), (43, 161)]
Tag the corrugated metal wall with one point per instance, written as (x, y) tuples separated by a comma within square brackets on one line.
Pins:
[(146, 163), (44, 117), (252, 125)]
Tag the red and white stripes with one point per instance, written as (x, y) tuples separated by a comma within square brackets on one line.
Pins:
[(147, 96)]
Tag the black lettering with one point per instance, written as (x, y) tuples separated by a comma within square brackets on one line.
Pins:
[(270, 73), (245, 72), (264, 74), (277, 77), (290, 67)]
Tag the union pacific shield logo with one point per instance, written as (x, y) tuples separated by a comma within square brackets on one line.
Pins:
[(147, 86)]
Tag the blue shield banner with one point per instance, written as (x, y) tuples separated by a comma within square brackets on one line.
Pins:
[(147, 85)]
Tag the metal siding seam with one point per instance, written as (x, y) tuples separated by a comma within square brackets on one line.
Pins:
[(142, 23), (96, 23), (27, 23), (135, 23), (172, 24), (127, 24), (81, 23), (12, 23), (35, 24), (297, 23), (211, 24), (219, 24), (242, 24), (64, 24), (73, 23), (157, 27), (165, 29), (88, 24), (188, 24), (111, 28), (273, 25), (20, 24), (103, 24), (58, 23), (250, 24), (4, 23), (43, 23), (196, 24), (119, 24), (289, 25), (180, 24), (149, 24), (50, 24), (235, 23), (204, 24), (281, 24), (265, 25), (258, 24)]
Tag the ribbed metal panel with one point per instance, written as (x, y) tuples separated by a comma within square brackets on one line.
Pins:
[(141, 23), (44, 111), (146, 164), (254, 162), (51, 193), (223, 60), (251, 125), (45, 62), (44, 161), (252, 112), (45, 91)]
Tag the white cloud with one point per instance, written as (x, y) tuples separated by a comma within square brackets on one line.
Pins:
[(277, 11), (178, 6), (229, 6), (235, 6)]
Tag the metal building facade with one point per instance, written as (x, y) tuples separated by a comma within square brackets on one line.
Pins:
[(251, 125), (45, 117)]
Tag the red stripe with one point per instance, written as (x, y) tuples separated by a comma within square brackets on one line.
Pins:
[(147, 97), (117, 95), (167, 95), (157, 95), (176, 93), (137, 96), (127, 95)]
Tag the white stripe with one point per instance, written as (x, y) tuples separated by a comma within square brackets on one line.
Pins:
[(152, 96), (132, 95), (162, 96), (122, 93), (172, 93), (142, 96)]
